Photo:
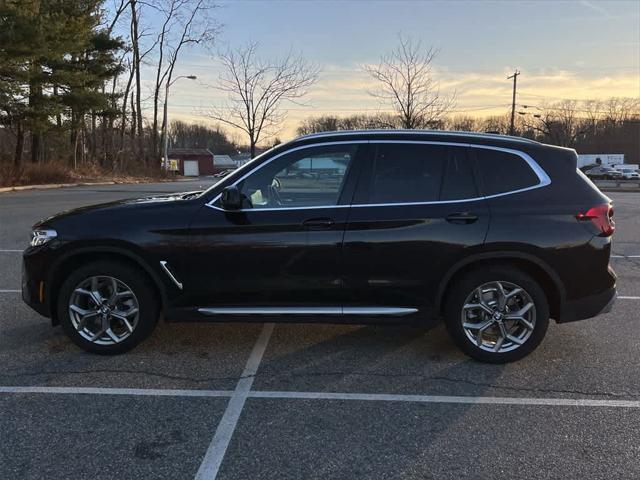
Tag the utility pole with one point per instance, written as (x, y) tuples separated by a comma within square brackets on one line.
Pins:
[(512, 129)]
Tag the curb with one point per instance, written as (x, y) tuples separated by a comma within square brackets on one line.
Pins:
[(621, 190), (51, 186)]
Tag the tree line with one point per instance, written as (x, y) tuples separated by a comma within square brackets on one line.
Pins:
[(75, 77), (606, 126)]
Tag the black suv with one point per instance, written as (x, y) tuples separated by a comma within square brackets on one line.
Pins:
[(494, 234)]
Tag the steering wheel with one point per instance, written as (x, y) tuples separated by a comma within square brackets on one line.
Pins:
[(274, 195)]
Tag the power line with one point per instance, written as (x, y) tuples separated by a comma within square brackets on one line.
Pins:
[(585, 110), (525, 94)]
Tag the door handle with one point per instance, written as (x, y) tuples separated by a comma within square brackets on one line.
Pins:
[(461, 218), (318, 223)]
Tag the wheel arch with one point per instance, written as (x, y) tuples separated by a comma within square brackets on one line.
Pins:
[(541, 272), (68, 262)]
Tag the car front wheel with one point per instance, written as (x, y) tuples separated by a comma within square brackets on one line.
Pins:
[(497, 315), (107, 307)]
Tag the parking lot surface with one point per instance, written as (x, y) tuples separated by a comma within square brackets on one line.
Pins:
[(239, 401)]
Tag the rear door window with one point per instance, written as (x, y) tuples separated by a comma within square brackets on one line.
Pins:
[(415, 173), (407, 173), (503, 172), (458, 182)]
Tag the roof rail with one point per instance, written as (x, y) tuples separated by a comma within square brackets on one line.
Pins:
[(492, 136)]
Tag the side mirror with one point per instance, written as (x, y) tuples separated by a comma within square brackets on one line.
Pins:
[(231, 198)]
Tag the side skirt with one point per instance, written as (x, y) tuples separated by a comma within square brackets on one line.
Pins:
[(352, 315)]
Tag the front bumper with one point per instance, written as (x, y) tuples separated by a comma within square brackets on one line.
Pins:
[(588, 307), (34, 277)]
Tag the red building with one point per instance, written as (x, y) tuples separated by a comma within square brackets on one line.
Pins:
[(193, 162)]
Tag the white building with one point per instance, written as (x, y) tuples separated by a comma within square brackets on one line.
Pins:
[(605, 159)]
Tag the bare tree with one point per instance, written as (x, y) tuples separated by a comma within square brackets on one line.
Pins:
[(136, 66), (114, 13), (186, 22), (407, 84), (463, 123), (560, 123), (328, 123), (257, 90)]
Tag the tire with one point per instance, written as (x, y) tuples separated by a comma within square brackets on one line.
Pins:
[(486, 326), (131, 313)]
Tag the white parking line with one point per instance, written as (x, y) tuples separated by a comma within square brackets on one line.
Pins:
[(556, 402), (152, 392), (227, 427), (215, 453), (10, 291), (625, 256), (11, 251)]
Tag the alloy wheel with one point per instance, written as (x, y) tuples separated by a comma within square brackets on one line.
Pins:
[(103, 310), (498, 316)]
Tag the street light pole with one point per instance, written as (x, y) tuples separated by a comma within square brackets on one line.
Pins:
[(165, 121)]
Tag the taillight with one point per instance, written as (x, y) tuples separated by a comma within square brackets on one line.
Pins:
[(602, 217)]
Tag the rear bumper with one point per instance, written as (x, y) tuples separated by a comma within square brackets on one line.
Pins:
[(588, 307)]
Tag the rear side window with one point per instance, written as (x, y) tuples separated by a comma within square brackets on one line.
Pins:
[(503, 172)]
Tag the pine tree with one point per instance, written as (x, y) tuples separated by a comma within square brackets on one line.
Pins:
[(54, 61)]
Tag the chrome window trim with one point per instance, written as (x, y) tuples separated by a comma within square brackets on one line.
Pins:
[(543, 178), (393, 311)]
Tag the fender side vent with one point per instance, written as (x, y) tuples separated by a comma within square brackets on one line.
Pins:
[(165, 267)]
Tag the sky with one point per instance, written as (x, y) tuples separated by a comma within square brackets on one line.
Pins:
[(564, 50)]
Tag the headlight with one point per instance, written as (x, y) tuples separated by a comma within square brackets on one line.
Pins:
[(42, 236)]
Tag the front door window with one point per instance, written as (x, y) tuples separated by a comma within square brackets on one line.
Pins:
[(310, 177)]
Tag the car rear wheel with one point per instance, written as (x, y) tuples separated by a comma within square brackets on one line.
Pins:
[(497, 315), (107, 307)]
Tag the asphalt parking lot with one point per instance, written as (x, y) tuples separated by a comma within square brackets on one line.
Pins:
[(245, 401)]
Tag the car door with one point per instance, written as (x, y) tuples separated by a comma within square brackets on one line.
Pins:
[(416, 212), (279, 253)]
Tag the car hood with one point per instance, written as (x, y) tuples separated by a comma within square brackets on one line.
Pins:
[(121, 204)]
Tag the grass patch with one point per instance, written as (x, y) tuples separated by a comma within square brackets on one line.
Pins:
[(56, 173)]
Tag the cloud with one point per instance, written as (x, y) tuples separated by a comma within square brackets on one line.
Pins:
[(344, 90), (596, 8)]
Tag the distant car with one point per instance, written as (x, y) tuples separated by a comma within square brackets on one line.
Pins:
[(606, 173), (223, 173), (630, 174), (586, 168)]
